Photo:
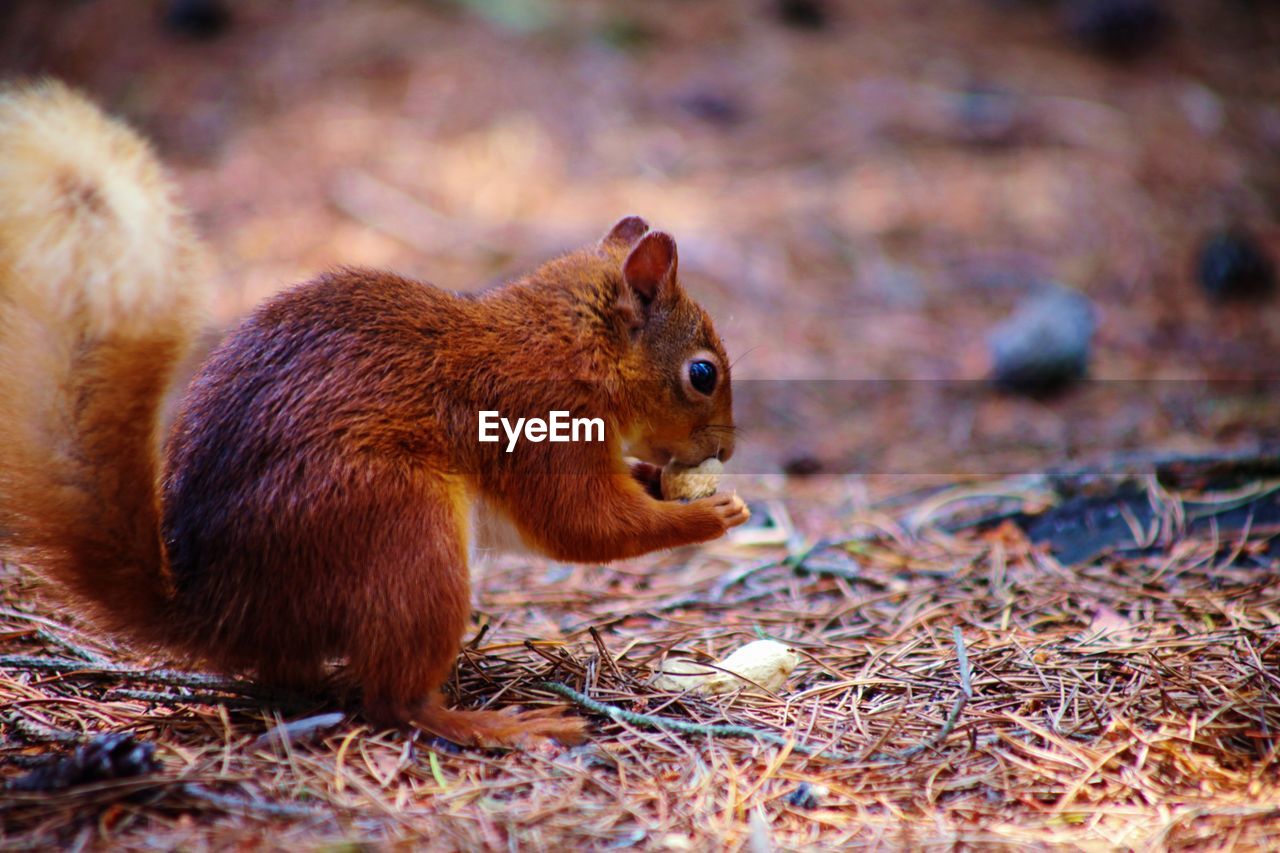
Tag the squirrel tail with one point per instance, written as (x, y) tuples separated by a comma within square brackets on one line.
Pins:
[(97, 306)]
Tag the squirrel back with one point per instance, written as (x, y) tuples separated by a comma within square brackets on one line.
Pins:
[(98, 302)]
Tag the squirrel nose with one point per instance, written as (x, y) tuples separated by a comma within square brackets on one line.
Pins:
[(723, 453)]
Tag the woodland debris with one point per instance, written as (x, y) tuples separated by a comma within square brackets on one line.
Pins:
[(117, 755)]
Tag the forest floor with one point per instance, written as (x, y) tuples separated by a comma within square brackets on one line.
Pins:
[(989, 655)]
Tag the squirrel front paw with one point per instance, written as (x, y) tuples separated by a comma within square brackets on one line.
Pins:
[(730, 509)]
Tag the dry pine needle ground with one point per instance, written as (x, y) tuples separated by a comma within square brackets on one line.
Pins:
[(1130, 702), (1119, 703)]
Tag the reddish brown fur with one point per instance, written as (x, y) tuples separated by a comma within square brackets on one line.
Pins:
[(320, 475), (321, 469), (96, 306)]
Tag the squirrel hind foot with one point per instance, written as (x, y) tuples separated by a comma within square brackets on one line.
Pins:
[(490, 729)]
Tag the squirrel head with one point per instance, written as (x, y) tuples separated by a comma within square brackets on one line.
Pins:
[(681, 402)]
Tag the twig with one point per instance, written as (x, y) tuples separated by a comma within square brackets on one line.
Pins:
[(66, 645), (966, 693), (243, 804), (41, 732), (298, 731), (160, 698), (168, 677), (1171, 468), (962, 656), (673, 724)]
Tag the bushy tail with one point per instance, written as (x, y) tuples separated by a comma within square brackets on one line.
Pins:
[(97, 306)]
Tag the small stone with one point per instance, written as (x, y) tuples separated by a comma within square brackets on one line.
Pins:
[(802, 465), (1232, 264), (987, 116), (1118, 29), (1045, 343), (200, 19), (712, 107), (806, 796), (1203, 109), (803, 14)]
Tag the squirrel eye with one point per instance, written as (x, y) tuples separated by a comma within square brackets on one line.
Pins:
[(702, 376)]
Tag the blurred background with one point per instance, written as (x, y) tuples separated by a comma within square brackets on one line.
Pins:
[(944, 239)]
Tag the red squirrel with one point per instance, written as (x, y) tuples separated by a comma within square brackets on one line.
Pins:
[(313, 499)]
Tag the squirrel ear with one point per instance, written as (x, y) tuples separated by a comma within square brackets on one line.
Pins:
[(651, 265), (628, 230)]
